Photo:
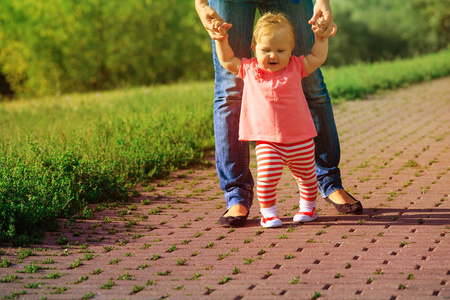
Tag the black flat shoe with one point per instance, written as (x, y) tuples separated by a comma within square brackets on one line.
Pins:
[(232, 221), (347, 208)]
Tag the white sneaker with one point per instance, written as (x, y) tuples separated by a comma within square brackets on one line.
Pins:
[(301, 217), (271, 222)]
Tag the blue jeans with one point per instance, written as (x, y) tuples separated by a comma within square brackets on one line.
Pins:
[(232, 155)]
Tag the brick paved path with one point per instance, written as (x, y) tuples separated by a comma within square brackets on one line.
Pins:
[(167, 243)]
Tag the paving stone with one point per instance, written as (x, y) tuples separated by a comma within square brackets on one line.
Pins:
[(166, 243)]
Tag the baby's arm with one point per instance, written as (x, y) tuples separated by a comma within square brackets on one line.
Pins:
[(317, 56), (226, 54)]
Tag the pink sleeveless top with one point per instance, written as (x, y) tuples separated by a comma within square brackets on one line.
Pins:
[(274, 108)]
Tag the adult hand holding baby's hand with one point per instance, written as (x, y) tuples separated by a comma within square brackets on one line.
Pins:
[(319, 27), (220, 28), (322, 20), (208, 15)]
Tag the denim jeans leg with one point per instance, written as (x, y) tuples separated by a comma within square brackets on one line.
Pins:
[(232, 155), (319, 102), (328, 152)]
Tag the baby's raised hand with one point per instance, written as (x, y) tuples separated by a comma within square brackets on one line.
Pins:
[(319, 28), (220, 28)]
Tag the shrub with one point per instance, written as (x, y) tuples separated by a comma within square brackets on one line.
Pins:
[(58, 185)]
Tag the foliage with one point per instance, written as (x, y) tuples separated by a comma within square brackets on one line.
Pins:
[(360, 80), (60, 46), (33, 196), (374, 30), (63, 46), (57, 155)]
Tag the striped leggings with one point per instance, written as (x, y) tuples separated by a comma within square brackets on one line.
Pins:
[(299, 157)]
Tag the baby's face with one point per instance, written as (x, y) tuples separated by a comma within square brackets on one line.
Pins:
[(273, 51)]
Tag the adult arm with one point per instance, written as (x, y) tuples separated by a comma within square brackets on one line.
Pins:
[(207, 14), (322, 8)]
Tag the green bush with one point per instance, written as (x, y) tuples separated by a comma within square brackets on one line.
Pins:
[(360, 80), (375, 30), (60, 154), (33, 196), (61, 46)]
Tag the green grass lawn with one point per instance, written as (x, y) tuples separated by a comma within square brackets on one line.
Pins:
[(358, 81), (58, 154)]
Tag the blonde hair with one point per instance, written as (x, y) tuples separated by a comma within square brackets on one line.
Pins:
[(269, 23)]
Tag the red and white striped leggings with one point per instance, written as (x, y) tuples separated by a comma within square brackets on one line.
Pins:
[(299, 157)]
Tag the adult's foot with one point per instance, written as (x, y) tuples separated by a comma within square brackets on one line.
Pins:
[(236, 216), (344, 202), (236, 210), (341, 197)]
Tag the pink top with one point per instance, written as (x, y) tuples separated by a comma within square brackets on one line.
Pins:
[(274, 108)]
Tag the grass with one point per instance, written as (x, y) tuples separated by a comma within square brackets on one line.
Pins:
[(172, 248), (181, 261), (115, 261), (155, 257), (317, 294), (358, 81), (81, 279), (195, 277), (223, 255), (108, 285), (143, 266), (35, 285), (295, 280), (9, 278), (209, 245), (15, 295), (24, 253), (288, 256), (31, 268), (54, 275), (5, 263), (78, 262), (58, 154), (166, 273), (225, 279), (125, 276), (59, 290), (136, 289), (97, 271), (88, 296)]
